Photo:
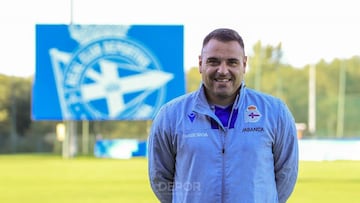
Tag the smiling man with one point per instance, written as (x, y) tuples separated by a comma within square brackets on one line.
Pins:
[(222, 64), (224, 142)]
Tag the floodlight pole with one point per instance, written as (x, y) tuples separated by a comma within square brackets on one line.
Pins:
[(341, 101), (258, 66), (312, 100)]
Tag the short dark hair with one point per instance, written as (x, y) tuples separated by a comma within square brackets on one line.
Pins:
[(224, 35)]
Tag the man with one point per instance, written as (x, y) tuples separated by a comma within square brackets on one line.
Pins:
[(224, 142)]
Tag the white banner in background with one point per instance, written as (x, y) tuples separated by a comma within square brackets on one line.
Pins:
[(329, 149)]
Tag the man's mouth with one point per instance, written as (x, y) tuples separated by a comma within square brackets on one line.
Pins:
[(222, 79)]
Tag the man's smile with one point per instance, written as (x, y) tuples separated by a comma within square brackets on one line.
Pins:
[(222, 79)]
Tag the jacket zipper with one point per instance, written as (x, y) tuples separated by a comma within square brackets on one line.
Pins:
[(225, 132)]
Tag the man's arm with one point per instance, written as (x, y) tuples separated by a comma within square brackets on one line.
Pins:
[(286, 155), (161, 160)]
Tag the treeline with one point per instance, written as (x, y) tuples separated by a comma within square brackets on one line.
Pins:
[(337, 89), (337, 101)]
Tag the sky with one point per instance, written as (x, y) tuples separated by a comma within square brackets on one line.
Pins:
[(309, 30)]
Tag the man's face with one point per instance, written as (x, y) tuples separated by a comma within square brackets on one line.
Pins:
[(222, 66)]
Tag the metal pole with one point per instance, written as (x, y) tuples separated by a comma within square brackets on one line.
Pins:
[(341, 103), (65, 144), (13, 134), (312, 100), (258, 66), (279, 78), (71, 11), (70, 139), (85, 137)]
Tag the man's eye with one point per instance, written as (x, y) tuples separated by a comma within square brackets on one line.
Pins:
[(233, 62), (213, 62)]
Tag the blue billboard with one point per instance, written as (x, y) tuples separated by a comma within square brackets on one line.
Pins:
[(106, 72), (120, 148)]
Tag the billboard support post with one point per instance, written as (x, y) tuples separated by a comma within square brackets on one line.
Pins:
[(85, 137), (70, 142)]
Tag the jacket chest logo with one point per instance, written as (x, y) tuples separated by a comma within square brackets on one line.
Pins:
[(191, 116), (252, 114)]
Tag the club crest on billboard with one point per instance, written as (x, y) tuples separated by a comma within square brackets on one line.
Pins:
[(106, 72)]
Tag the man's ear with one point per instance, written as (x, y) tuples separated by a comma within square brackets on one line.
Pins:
[(200, 64), (245, 63)]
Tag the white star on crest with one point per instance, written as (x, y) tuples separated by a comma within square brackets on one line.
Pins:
[(110, 86)]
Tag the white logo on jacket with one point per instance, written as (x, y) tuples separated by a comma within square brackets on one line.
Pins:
[(252, 114), (191, 135)]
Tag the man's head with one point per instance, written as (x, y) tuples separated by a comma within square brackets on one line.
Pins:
[(222, 65)]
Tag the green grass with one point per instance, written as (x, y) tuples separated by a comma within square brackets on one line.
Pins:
[(51, 179), (328, 182)]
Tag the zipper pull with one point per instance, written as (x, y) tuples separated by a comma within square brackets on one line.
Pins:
[(223, 150)]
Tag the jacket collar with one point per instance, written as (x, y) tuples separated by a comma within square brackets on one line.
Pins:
[(202, 105)]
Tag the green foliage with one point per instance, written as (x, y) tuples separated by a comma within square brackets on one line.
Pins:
[(327, 88), (14, 105), (268, 74), (193, 79)]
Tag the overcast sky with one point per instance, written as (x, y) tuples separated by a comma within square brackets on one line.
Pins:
[(309, 30)]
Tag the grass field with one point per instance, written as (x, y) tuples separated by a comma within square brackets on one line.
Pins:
[(51, 179)]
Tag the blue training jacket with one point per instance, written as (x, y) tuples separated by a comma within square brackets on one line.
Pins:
[(254, 159)]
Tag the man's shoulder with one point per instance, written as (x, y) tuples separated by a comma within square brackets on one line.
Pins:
[(263, 96), (251, 91), (181, 100)]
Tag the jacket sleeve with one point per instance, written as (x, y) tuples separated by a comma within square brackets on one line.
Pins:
[(161, 158), (286, 157)]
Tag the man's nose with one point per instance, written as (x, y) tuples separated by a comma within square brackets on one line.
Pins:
[(223, 69)]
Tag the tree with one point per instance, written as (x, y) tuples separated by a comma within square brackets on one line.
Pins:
[(193, 79), (15, 104)]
